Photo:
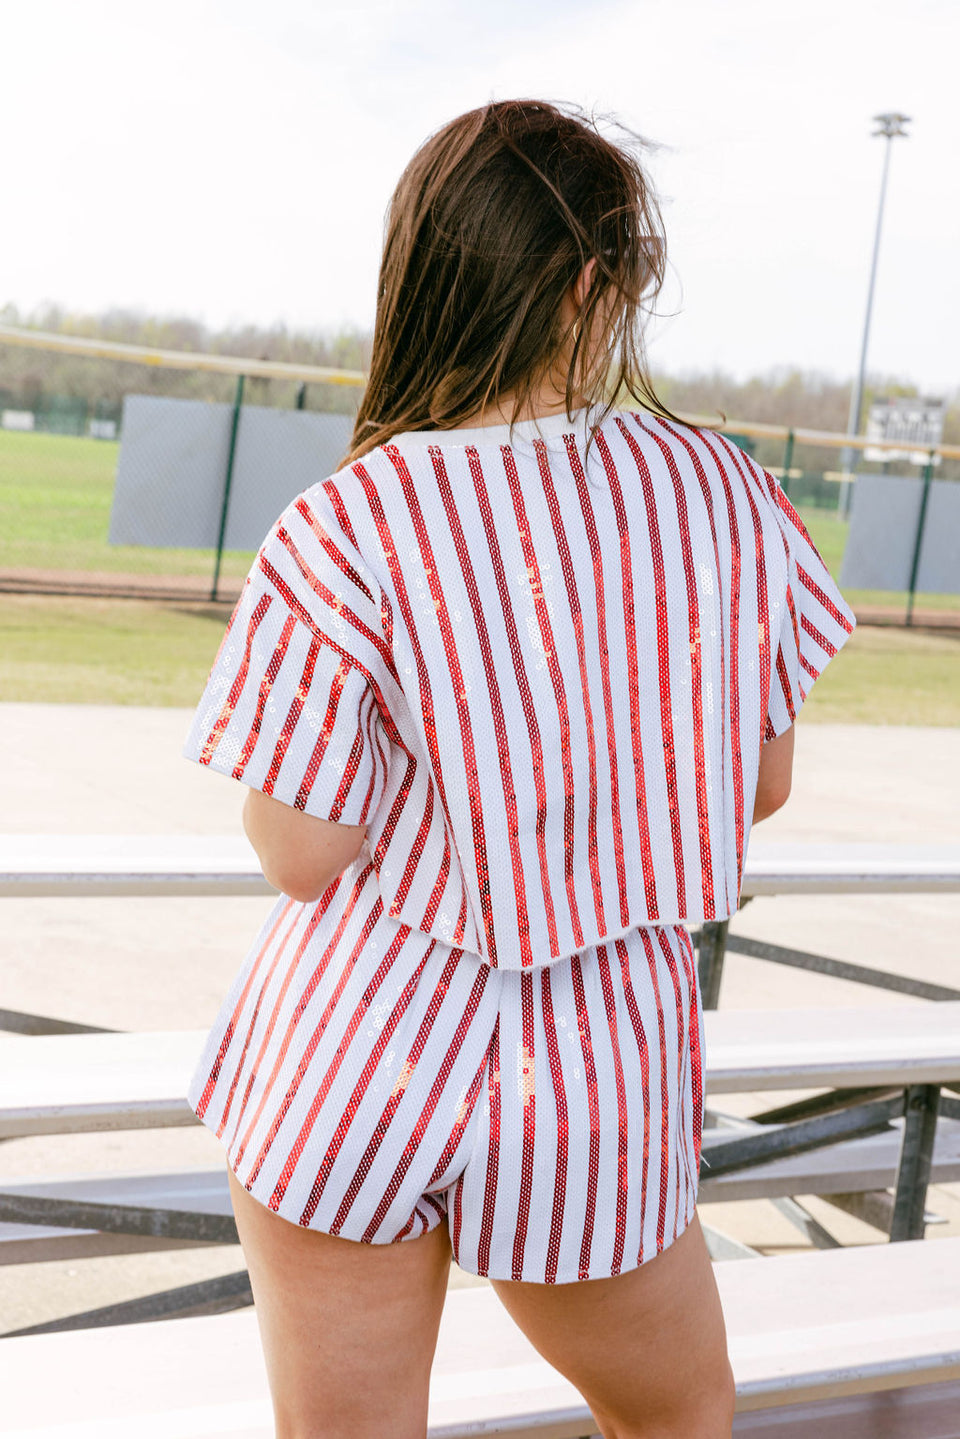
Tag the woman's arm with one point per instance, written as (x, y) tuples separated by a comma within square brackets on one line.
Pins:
[(776, 772), (299, 855)]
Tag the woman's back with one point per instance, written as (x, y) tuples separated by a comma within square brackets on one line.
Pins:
[(576, 649)]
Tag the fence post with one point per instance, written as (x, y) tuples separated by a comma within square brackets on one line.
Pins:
[(227, 482), (787, 464), (712, 948), (918, 543), (301, 395)]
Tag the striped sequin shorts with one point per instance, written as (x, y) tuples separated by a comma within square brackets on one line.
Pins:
[(371, 1082)]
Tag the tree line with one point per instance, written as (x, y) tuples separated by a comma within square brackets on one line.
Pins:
[(786, 396)]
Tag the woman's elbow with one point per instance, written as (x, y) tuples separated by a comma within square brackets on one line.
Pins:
[(299, 880), (770, 798)]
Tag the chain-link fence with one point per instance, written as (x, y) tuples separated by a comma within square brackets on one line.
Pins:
[(160, 472)]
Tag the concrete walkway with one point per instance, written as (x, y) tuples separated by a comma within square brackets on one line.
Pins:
[(166, 963)]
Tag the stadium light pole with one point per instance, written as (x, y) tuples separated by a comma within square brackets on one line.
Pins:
[(890, 127)]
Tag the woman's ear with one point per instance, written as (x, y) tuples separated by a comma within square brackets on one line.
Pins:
[(584, 280)]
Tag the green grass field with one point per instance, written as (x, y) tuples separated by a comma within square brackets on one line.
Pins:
[(55, 496)]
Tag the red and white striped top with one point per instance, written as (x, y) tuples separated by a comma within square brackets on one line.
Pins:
[(540, 673)]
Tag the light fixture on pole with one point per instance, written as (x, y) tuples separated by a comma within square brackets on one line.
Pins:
[(890, 126)]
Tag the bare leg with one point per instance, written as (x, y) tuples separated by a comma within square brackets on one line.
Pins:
[(647, 1350), (348, 1330)]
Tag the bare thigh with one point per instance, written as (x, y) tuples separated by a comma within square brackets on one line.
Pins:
[(348, 1329), (647, 1350)]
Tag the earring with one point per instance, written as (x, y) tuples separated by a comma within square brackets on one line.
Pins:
[(576, 331)]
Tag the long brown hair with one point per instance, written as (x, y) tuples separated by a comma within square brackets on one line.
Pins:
[(492, 222)]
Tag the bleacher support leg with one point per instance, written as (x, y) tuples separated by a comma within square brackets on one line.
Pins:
[(921, 1104), (713, 945)]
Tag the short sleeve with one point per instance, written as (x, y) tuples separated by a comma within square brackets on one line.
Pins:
[(291, 706), (816, 621)]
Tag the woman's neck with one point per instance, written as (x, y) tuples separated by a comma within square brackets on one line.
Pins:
[(543, 402)]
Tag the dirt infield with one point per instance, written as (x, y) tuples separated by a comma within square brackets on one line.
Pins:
[(114, 584)]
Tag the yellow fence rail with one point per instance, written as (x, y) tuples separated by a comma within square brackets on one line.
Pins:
[(319, 374)]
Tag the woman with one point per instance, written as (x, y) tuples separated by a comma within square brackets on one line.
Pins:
[(507, 690)]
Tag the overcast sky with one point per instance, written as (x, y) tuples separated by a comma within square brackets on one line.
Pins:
[(232, 160)]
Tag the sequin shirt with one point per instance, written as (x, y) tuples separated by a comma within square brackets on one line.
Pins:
[(541, 673)]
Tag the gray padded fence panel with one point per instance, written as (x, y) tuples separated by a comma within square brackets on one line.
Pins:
[(172, 466), (883, 531), (939, 571)]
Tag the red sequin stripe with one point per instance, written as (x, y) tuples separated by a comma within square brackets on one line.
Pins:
[(670, 960), (563, 1127), (292, 603), (331, 601), (435, 1205), (424, 1219), (493, 1156), (240, 679), (367, 741), (288, 976), (281, 1111), (586, 507), (388, 1113), (733, 529), (460, 928), (663, 659), (550, 654), (263, 694), (327, 731), (810, 584), (821, 639), (696, 1065), (413, 858), (696, 671), (526, 1061), (457, 1215), (350, 771), (406, 609), (785, 685), (464, 1114), (763, 612), (783, 503), (366, 1074), (633, 677), (293, 716), (231, 1027), (734, 711), (279, 1053), (593, 1108), (239, 1061), (576, 615), (330, 549), (496, 704), (640, 1037), (396, 810), (523, 688), (433, 1099), (340, 509), (481, 861), (623, 1127), (664, 1130)]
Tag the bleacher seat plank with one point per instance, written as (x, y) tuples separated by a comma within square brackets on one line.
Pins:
[(803, 1329), (43, 865), (52, 1084), (855, 1165)]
